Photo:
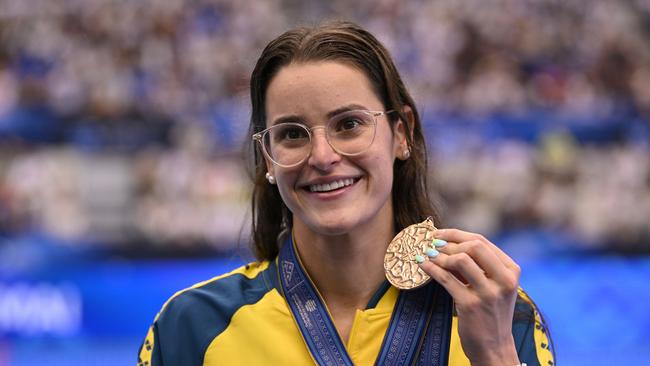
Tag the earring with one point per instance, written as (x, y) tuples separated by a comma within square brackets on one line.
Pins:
[(407, 153), (270, 178)]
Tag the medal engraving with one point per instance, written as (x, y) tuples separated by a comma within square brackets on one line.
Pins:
[(400, 266)]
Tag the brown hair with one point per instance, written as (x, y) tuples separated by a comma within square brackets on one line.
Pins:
[(348, 43)]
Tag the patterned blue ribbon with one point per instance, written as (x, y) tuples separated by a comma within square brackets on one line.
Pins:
[(418, 333)]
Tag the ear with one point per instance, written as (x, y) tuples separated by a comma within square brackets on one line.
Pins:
[(400, 131)]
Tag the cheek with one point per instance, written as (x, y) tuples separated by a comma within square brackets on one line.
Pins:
[(287, 196), (286, 181), (380, 167)]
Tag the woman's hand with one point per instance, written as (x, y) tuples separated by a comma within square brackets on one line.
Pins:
[(483, 282)]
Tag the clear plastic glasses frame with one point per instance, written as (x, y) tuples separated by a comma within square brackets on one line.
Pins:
[(349, 133)]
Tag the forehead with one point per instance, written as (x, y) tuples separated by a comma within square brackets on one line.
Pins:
[(312, 89)]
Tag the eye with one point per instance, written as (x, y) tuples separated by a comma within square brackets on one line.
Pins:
[(352, 121), (294, 133), (350, 124), (285, 133)]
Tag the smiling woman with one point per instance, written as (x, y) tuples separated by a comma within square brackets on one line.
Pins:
[(340, 168), (310, 92)]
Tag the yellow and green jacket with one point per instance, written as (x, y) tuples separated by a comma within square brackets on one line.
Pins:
[(241, 318)]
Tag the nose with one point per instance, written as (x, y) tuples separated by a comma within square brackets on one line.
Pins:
[(322, 156)]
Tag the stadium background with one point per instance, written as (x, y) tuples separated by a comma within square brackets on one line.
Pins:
[(122, 180)]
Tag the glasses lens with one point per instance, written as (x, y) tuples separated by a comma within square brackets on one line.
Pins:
[(287, 143), (352, 132)]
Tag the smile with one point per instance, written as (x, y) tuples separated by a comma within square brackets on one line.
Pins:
[(327, 187)]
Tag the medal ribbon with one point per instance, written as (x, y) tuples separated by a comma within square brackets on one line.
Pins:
[(419, 330)]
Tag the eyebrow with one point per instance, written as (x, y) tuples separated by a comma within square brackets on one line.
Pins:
[(337, 111), (346, 108)]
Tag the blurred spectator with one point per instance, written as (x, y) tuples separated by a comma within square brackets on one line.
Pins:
[(121, 121)]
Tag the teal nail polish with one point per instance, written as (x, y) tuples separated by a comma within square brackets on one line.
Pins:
[(419, 259), (431, 253), (439, 243)]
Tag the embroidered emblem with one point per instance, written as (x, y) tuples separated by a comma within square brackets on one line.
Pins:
[(287, 270)]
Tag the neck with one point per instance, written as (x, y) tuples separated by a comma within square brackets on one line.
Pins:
[(347, 269)]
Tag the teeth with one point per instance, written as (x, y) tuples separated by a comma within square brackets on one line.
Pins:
[(331, 186)]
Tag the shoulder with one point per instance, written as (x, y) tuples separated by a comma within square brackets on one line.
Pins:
[(228, 291), (193, 317), (531, 333), (204, 310)]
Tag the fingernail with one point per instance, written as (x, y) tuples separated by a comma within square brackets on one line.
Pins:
[(431, 253), (439, 243), (419, 259)]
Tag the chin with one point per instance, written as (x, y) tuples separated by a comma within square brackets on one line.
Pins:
[(332, 225)]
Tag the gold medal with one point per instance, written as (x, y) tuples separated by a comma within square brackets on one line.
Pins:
[(400, 266)]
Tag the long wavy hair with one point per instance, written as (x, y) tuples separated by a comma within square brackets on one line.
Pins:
[(350, 44)]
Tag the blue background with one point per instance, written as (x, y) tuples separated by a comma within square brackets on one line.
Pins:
[(596, 305)]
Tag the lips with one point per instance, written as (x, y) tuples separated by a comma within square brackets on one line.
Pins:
[(327, 187)]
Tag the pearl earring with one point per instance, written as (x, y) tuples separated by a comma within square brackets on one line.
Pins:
[(407, 153), (270, 178)]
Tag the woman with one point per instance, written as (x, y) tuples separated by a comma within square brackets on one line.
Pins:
[(340, 169)]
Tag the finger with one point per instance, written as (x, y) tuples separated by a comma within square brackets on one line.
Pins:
[(459, 236), (451, 283), (482, 254), (464, 265)]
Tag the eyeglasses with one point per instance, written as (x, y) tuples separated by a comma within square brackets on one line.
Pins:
[(349, 133)]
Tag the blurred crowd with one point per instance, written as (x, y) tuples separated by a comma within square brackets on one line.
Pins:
[(122, 122)]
